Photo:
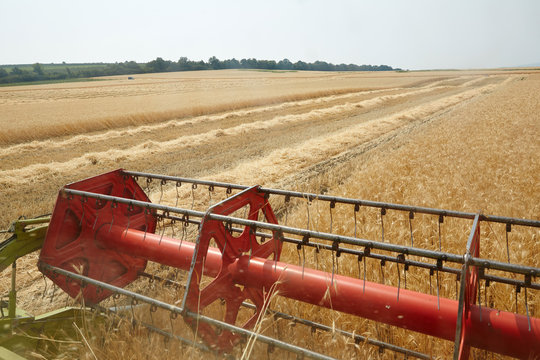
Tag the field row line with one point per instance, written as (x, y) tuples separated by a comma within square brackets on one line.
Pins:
[(270, 168), (38, 145), (327, 144)]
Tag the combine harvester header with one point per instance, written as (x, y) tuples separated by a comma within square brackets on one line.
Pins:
[(103, 232)]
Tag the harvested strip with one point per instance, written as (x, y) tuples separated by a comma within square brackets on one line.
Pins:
[(37, 145), (32, 172)]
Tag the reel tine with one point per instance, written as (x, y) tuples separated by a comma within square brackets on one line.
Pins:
[(287, 202), (269, 349), (145, 222), (162, 182), (333, 265), (136, 179), (527, 283), (335, 255), (210, 191), (411, 216), (133, 318), (303, 260), (298, 247), (193, 187), (486, 287), (383, 212), (51, 299), (518, 290), (479, 285), (184, 230), (367, 251), (162, 228), (308, 204), (356, 208), (438, 299), (508, 229), (129, 211), (148, 181), (177, 185), (332, 206), (172, 316), (45, 281), (358, 262), (114, 205), (69, 199), (338, 255), (439, 266), (431, 272), (173, 222), (383, 263), (316, 252), (401, 259), (441, 220), (84, 200), (98, 203), (527, 308), (405, 269), (152, 309), (458, 277)]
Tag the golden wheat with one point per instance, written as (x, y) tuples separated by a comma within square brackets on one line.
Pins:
[(453, 140)]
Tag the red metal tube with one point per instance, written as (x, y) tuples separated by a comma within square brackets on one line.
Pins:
[(153, 247), (501, 332)]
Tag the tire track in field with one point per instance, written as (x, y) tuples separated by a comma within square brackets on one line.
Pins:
[(323, 146), (295, 159)]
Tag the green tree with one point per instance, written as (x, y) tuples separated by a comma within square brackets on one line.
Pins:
[(214, 63), (184, 64), (158, 65), (231, 64), (3, 73), (38, 69), (285, 64), (300, 65)]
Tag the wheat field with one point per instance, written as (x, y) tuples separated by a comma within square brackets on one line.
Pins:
[(459, 140)]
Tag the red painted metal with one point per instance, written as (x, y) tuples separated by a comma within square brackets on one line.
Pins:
[(231, 248), (153, 247), (471, 285), (69, 243), (498, 331), (110, 244)]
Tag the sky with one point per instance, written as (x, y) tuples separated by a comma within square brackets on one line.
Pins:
[(409, 34)]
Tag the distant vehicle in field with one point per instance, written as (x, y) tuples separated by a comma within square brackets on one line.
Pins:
[(131, 78)]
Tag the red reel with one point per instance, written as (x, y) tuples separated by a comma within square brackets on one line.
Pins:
[(232, 247), (70, 240)]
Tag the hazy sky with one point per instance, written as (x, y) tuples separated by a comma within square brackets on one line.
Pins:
[(412, 34)]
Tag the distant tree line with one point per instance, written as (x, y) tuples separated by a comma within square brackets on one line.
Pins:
[(53, 72), (184, 64)]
